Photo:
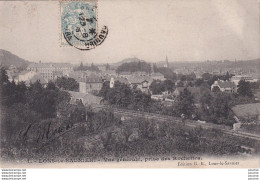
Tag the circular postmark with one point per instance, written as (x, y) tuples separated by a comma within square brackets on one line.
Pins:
[(79, 24)]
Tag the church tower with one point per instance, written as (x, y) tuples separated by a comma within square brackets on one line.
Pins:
[(166, 63)]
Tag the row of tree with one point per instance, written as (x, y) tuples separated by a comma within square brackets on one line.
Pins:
[(158, 87), (123, 95), (67, 83), (82, 67), (42, 100)]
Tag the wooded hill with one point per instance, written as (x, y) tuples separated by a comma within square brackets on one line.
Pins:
[(7, 59)]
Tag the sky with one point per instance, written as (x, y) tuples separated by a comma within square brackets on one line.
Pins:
[(182, 30)]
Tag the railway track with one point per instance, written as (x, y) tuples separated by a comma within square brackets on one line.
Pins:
[(189, 123)]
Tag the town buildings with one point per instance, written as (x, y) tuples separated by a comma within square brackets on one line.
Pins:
[(25, 76), (158, 76), (140, 82), (30, 77), (51, 71), (238, 78)]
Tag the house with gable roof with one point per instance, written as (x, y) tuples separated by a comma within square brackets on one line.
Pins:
[(140, 82), (90, 83), (225, 86), (85, 98), (158, 76)]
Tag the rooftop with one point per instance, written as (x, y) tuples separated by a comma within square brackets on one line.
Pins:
[(135, 79), (46, 65), (226, 84), (77, 95), (93, 77), (245, 110), (120, 79)]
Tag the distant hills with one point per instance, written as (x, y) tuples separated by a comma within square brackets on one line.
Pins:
[(239, 63), (243, 64), (7, 59), (127, 60), (134, 66)]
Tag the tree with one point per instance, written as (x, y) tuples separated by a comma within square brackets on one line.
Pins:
[(4, 86), (255, 85), (42, 100), (101, 120), (3, 76), (72, 112), (67, 83), (140, 100), (183, 78), (212, 80), (120, 94), (20, 91), (180, 83), (156, 87), (107, 67), (205, 102), (45, 100), (199, 82), (215, 89), (51, 86), (104, 90), (244, 88), (12, 93), (184, 103), (167, 73), (206, 76), (168, 85), (216, 108), (227, 77), (78, 112)]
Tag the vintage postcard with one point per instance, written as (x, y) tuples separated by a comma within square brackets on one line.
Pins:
[(130, 83)]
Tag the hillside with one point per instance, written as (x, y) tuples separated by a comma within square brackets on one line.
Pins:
[(134, 66), (240, 66), (238, 63), (7, 59), (127, 60)]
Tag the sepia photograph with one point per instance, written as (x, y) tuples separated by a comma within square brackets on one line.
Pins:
[(109, 83)]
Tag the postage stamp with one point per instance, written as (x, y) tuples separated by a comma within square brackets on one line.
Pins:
[(79, 25)]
